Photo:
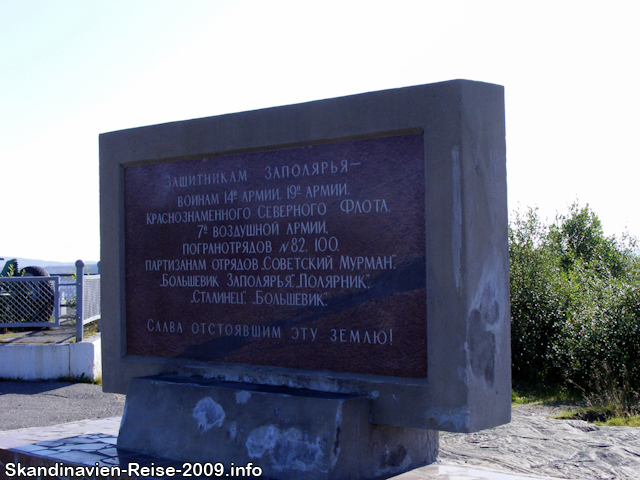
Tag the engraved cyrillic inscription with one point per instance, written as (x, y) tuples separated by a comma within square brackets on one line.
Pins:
[(308, 257)]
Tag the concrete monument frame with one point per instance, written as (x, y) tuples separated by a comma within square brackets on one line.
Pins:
[(468, 386)]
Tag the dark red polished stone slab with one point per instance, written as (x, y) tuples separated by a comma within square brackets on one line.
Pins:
[(309, 257)]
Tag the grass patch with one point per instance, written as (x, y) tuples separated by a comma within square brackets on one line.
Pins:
[(612, 417), (524, 394), (632, 421), (89, 329), (80, 379), (521, 399), (609, 402), (67, 379)]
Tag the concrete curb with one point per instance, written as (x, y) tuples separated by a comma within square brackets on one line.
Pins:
[(50, 362)]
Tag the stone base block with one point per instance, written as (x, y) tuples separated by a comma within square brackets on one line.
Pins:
[(289, 433)]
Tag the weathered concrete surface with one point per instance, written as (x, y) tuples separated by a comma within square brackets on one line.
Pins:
[(536, 444), (49, 354), (290, 433)]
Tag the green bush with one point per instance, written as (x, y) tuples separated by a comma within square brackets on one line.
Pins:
[(575, 302)]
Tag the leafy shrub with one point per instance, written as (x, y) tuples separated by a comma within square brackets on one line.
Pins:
[(538, 300), (575, 302)]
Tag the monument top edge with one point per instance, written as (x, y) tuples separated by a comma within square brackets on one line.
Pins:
[(439, 84)]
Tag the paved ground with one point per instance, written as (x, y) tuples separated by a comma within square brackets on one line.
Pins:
[(65, 333), (532, 444), (39, 404)]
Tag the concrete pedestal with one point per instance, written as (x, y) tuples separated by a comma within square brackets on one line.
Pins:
[(289, 433)]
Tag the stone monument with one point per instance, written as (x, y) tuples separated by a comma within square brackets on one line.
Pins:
[(310, 288)]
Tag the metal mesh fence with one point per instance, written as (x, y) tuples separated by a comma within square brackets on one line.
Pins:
[(90, 297), (28, 301)]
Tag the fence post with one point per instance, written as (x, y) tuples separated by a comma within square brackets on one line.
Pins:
[(79, 306)]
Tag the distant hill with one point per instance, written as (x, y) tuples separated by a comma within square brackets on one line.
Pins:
[(53, 268)]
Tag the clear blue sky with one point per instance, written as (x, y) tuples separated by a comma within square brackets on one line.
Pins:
[(72, 69)]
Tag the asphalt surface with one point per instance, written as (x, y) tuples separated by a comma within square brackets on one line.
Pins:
[(40, 404)]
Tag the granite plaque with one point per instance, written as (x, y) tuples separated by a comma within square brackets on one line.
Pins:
[(308, 257)]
